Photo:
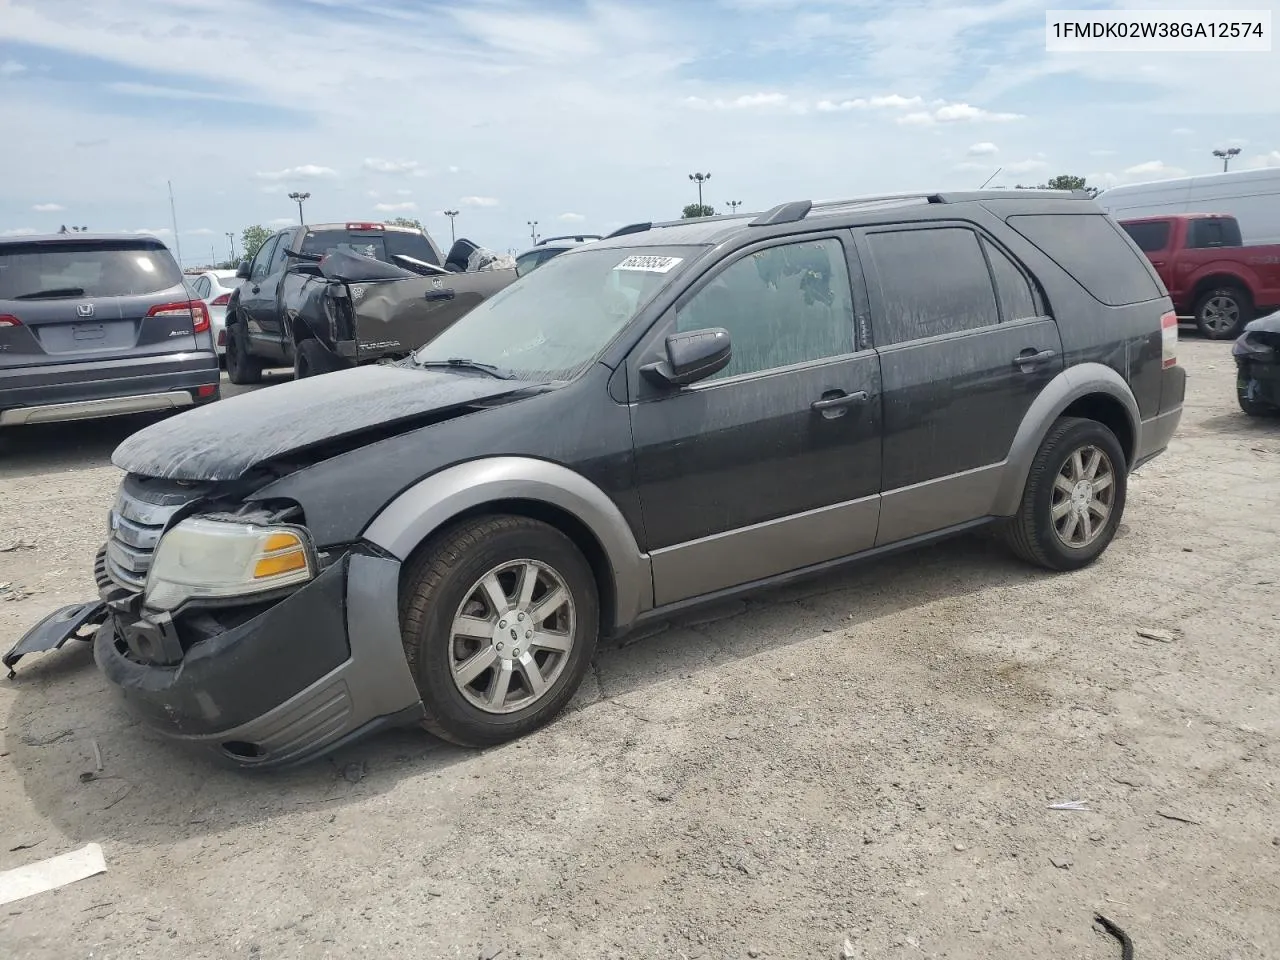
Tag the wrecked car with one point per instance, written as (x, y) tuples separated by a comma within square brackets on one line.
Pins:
[(332, 296), (671, 415), (1257, 355)]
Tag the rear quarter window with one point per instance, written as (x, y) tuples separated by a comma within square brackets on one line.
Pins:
[(1095, 252)]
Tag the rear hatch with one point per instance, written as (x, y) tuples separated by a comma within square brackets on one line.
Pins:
[(81, 299)]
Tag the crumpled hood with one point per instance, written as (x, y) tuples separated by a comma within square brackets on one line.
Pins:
[(226, 439), (1268, 324)]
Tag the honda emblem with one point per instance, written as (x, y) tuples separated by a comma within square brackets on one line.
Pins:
[(85, 309)]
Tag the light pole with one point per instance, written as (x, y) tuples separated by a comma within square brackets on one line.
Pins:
[(1226, 156), (699, 179), (453, 237), (533, 231), (298, 198), (734, 205), (231, 239)]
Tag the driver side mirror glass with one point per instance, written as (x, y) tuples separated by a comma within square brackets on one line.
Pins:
[(691, 356)]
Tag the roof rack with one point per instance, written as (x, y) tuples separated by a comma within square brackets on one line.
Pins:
[(580, 237), (630, 228), (797, 210)]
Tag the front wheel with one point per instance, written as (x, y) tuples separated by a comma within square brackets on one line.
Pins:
[(499, 618), (1074, 497), (242, 367), (1221, 313)]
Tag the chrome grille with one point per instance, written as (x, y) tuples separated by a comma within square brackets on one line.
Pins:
[(142, 512)]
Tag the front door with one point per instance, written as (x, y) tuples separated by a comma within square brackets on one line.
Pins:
[(966, 345), (773, 464)]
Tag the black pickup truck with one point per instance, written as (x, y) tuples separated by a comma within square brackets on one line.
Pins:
[(330, 296)]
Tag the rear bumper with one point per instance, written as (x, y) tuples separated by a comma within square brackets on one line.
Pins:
[(102, 388), (320, 668), (1156, 432)]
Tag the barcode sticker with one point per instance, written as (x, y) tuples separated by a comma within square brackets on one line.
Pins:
[(649, 264)]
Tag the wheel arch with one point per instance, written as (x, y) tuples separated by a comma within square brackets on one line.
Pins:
[(1089, 390), (1217, 279), (532, 488)]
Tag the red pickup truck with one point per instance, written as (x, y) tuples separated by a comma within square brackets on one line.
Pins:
[(1211, 275)]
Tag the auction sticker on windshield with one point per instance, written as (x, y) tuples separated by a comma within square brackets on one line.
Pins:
[(649, 264)]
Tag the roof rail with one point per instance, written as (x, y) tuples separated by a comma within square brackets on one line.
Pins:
[(630, 228), (580, 237), (797, 210)]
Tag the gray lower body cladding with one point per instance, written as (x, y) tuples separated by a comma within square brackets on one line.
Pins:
[(315, 670)]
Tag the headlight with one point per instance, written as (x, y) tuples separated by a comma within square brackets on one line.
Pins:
[(217, 558)]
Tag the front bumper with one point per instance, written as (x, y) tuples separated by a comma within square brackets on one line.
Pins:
[(318, 669), (1258, 380), (101, 388)]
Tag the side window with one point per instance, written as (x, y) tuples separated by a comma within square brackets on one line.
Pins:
[(278, 259), (262, 258), (1018, 299), (931, 282), (202, 288), (782, 305), (1093, 250), (1211, 233), (1150, 235)]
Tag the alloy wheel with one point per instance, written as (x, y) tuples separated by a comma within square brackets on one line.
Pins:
[(1220, 314), (1083, 495)]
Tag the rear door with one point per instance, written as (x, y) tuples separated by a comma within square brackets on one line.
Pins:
[(73, 300), (966, 344)]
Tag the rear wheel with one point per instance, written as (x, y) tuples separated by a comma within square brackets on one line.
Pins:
[(242, 368), (1222, 312), (499, 618), (310, 359), (1073, 499)]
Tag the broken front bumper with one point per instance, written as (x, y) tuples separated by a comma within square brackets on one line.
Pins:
[(318, 669)]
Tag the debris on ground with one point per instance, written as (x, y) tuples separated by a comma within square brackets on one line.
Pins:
[(50, 874), (1079, 806), (97, 754), (1126, 945), (1060, 863), (12, 545), (1176, 816), (31, 740), (11, 590), (353, 772), (26, 846), (1160, 636)]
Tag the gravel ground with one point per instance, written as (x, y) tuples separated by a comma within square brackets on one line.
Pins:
[(864, 760)]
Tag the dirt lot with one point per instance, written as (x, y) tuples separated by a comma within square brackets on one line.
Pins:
[(866, 758)]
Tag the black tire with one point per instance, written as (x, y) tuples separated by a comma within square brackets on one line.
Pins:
[(1213, 302), (1031, 532), (1256, 408), (242, 367), (441, 578), (310, 359)]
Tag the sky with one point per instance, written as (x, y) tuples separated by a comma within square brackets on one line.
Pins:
[(582, 115)]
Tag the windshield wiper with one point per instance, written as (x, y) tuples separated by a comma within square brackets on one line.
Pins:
[(50, 294), (462, 362)]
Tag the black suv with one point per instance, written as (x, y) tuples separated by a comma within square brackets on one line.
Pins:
[(675, 413), (94, 325)]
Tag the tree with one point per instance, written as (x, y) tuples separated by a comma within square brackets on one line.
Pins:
[(697, 210), (405, 222), (253, 238), (1063, 181)]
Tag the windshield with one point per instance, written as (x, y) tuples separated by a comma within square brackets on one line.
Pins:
[(551, 324), (85, 269), (375, 244)]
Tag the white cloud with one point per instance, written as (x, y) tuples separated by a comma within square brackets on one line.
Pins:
[(478, 202), (308, 171), (400, 167), (1154, 169), (1261, 161), (156, 232), (454, 169), (1182, 131), (19, 232), (957, 113), (407, 207), (169, 93), (11, 68), (748, 101), (200, 232), (48, 207), (281, 222), (1025, 166), (984, 149), (892, 100), (571, 217)]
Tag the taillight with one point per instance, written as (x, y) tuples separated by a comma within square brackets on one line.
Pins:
[(195, 310), (222, 301), (9, 320), (1169, 340)]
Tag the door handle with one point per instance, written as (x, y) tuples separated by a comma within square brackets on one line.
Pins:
[(839, 401), (434, 295), (1029, 359)]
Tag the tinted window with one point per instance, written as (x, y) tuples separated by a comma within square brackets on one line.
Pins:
[(262, 258), (202, 287), (375, 244), (931, 282), (1149, 237), (279, 258), (82, 269), (526, 262), (1213, 233), (784, 305), (1093, 250), (1018, 298)]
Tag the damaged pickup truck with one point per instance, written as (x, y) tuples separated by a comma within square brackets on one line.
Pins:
[(661, 418), (332, 296)]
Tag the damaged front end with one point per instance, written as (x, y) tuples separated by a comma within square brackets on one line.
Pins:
[(225, 627), (1257, 356)]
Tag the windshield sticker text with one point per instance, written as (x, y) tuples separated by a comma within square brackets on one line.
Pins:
[(649, 264)]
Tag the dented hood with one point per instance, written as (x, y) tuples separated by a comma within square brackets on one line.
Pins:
[(226, 439)]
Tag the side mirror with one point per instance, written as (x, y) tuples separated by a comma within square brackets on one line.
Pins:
[(242, 271), (691, 357)]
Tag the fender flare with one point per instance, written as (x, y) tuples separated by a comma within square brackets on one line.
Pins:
[(404, 523), (1070, 385)]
